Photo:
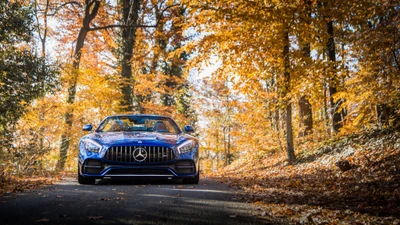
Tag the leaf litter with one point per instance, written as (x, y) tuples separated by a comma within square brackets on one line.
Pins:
[(316, 191)]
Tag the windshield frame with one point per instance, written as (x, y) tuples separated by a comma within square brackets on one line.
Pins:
[(136, 116)]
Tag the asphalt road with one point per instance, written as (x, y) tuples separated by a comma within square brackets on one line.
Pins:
[(128, 202)]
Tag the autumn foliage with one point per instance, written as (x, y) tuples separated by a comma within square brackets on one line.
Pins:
[(291, 74), (269, 85)]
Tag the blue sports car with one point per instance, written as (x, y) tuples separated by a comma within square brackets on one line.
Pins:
[(138, 146)]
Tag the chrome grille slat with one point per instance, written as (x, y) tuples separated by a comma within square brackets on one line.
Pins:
[(155, 154), (112, 155), (148, 157), (118, 149), (154, 150), (130, 154), (148, 154), (118, 153), (125, 153)]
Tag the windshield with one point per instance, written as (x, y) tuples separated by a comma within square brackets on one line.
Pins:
[(139, 123)]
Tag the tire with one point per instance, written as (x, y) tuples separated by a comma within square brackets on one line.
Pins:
[(194, 180), (85, 180)]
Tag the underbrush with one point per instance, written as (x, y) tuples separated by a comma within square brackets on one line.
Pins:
[(315, 191)]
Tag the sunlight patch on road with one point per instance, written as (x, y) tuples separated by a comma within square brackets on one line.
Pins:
[(158, 196), (65, 182), (201, 190)]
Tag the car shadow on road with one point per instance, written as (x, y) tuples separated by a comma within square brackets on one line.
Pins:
[(138, 181)]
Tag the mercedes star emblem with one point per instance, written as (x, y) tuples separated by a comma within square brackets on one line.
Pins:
[(139, 154)]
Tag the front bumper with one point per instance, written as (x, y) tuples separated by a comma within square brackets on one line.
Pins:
[(100, 168)]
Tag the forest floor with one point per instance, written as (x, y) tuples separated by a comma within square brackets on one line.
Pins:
[(15, 184), (315, 191)]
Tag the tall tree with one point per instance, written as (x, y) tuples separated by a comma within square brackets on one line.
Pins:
[(91, 8), (176, 86), (42, 30), (336, 117), (286, 89), (130, 14), (19, 66), (305, 109)]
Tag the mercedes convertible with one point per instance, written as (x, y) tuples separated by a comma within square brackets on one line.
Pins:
[(134, 146)]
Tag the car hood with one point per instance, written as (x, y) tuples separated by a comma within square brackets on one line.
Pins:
[(137, 138)]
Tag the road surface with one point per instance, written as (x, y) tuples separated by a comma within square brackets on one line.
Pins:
[(127, 202)]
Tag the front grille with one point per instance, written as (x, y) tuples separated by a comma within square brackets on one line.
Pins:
[(149, 154)]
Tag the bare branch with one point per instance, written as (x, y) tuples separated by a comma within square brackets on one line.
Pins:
[(166, 8), (57, 8), (136, 25), (120, 26), (69, 3)]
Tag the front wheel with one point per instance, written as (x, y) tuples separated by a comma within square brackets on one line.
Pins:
[(85, 180)]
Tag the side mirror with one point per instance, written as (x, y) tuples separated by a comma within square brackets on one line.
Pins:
[(87, 127), (189, 129)]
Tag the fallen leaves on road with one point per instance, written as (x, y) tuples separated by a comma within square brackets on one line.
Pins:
[(316, 191), (12, 184), (43, 220), (95, 217)]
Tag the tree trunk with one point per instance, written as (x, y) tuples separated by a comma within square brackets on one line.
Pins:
[(304, 105), (305, 115), (42, 37), (159, 44), (91, 10), (326, 116), (225, 150), (229, 145), (382, 114), (289, 129), (217, 143), (335, 105), (130, 15)]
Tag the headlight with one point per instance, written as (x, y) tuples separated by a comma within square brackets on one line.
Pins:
[(92, 146), (186, 147)]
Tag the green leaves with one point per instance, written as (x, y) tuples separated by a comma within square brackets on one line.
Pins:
[(15, 23), (23, 76)]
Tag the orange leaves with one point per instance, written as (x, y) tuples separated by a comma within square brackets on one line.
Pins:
[(315, 191), (10, 184)]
